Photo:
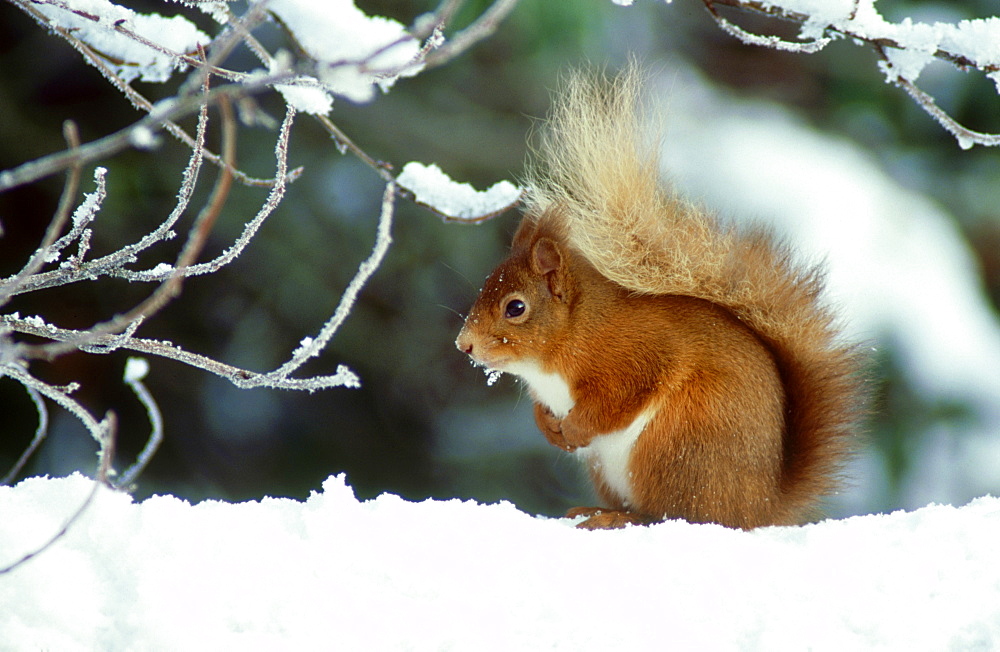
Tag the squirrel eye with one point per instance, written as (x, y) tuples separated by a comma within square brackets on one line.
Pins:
[(515, 308)]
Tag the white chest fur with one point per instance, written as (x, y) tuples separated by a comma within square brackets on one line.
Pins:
[(609, 453), (609, 456), (548, 388)]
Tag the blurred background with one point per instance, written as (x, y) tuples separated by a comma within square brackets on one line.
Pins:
[(920, 289)]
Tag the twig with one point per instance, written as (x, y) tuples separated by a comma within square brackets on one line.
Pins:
[(773, 42), (240, 377), (160, 117), (40, 433), (484, 26), (97, 429), (966, 137), (170, 287), (344, 143), (312, 347), (134, 380), (71, 187)]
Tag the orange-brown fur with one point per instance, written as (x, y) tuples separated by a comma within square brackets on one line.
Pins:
[(646, 305)]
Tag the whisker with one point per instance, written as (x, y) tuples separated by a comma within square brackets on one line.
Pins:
[(450, 309)]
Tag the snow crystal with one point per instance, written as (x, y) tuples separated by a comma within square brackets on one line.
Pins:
[(907, 64), (492, 376), (434, 188), (162, 269), (136, 369), (217, 9), (304, 345), (94, 22), (143, 138), (356, 50), (36, 322)]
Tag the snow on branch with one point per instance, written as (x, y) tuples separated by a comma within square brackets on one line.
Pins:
[(456, 202), (904, 48), (332, 50)]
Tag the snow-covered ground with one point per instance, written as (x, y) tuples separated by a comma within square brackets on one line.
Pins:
[(333, 573)]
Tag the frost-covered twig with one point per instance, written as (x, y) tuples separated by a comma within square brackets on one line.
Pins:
[(904, 48), (100, 480), (170, 286), (240, 377), (311, 347), (40, 433), (99, 430), (135, 370), (966, 137), (161, 116), (50, 241), (773, 42), (483, 27)]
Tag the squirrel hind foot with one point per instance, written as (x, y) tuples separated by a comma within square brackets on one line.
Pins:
[(601, 518)]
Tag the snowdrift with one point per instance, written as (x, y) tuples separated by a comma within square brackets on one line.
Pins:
[(336, 573)]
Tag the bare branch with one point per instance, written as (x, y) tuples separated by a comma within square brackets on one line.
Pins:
[(160, 116), (958, 59)]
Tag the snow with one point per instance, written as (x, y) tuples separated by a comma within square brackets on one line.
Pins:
[(977, 40), (387, 574), (136, 369), (357, 51), (94, 21), (308, 99), (144, 138), (434, 188)]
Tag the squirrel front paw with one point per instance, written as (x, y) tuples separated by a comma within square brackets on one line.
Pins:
[(551, 427), (564, 433)]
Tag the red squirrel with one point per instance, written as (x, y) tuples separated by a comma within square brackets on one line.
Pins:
[(690, 364)]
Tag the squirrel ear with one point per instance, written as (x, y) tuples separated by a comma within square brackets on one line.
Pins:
[(545, 256), (547, 261)]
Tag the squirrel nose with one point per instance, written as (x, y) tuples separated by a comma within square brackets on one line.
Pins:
[(464, 343)]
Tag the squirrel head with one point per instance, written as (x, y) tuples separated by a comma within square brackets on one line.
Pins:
[(526, 305)]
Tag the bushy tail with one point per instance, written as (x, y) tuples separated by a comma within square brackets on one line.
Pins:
[(597, 175)]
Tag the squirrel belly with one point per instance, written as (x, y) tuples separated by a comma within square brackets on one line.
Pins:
[(691, 364)]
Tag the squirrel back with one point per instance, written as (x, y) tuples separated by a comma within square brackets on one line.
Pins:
[(746, 345)]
